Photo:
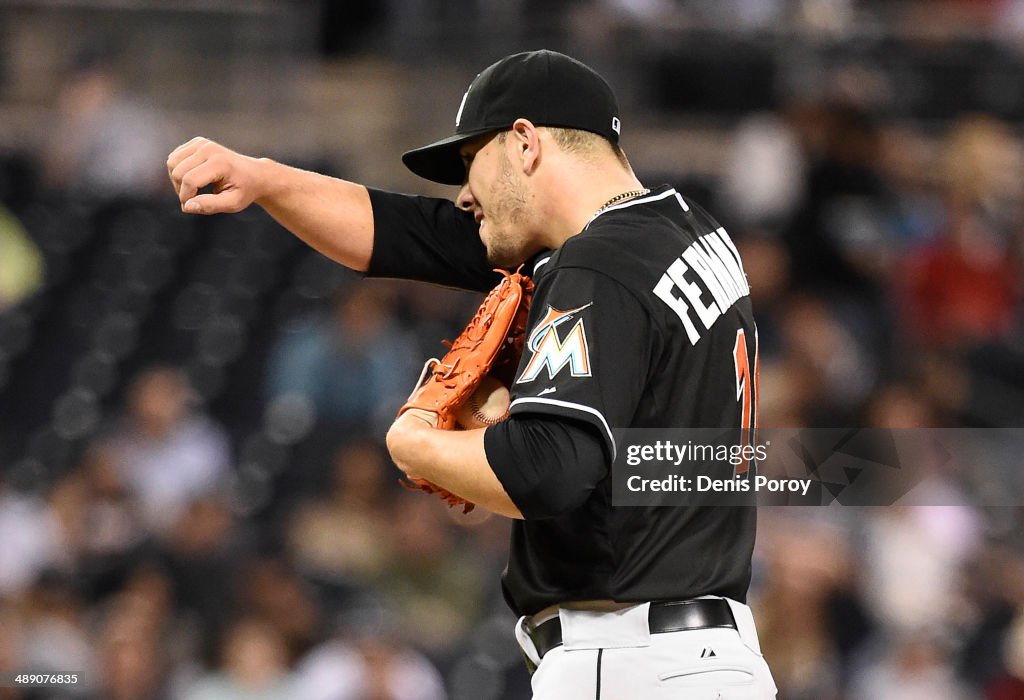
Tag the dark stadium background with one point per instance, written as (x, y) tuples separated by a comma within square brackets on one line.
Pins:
[(194, 501)]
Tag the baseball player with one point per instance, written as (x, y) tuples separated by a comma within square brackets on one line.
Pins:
[(640, 318)]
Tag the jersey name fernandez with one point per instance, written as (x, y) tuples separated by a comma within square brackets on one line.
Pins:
[(713, 261)]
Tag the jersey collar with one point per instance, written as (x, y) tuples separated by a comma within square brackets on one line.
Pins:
[(654, 195)]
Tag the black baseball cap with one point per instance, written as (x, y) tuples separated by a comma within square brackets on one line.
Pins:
[(546, 87)]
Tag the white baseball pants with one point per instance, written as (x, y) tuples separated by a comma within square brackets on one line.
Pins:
[(613, 656)]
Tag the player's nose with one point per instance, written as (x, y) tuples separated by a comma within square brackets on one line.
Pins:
[(465, 200)]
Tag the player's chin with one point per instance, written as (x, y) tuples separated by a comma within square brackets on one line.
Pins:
[(504, 259), (501, 254)]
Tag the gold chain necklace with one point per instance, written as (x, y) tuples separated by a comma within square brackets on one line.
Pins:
[(621, 197)]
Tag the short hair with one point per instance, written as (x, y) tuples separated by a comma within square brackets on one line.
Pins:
[(585, 143), (581, 143)]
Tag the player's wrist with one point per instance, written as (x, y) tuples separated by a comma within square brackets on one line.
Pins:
[(405, 438), (266, 180)]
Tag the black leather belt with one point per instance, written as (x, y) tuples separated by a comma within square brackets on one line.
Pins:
[(671, 616)]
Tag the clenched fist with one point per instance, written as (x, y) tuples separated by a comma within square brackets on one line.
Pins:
[(235, 178)]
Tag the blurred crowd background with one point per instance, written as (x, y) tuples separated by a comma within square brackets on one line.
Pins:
[(194, 499)]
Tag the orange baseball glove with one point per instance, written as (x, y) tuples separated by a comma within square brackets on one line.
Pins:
[(490, 345)]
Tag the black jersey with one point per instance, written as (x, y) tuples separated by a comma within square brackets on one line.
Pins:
[(643, 320)]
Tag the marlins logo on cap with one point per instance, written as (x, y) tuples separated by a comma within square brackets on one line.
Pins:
[(462, 106)]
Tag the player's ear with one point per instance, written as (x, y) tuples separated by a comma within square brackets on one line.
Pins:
[(525, 137)]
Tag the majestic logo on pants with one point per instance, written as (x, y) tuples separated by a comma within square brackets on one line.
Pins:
[(555, 351)]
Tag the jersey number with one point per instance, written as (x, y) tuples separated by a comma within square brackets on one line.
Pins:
[(746, 392)]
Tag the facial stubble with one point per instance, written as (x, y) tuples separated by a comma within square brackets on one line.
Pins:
[(506, 242)]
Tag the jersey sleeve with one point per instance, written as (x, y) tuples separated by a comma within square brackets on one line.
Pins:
[(547, 465), (587, 352), (429, 240)]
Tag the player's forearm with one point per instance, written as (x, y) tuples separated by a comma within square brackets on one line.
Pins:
[(331, 215), (454, 460)]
